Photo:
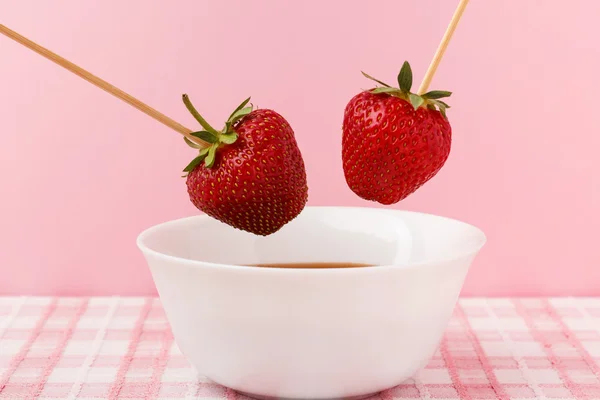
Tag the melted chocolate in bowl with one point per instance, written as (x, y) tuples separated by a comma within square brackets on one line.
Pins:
[(323, 265)]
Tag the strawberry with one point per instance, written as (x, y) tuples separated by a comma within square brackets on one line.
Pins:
[(394, 141), (252, 175)]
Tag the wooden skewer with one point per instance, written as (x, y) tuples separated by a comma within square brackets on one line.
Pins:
[(102, 84), (442, 46)]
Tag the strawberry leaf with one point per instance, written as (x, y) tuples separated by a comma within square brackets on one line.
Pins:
[(206, 136), (441, 107), (385, 90), (437, 94), (443, 111), (210, 157), (440, 103), (239, 114), (196, 161), (416, 100), (405, 77), (191, 144), (373, 79), (238, 108), (229, 138)]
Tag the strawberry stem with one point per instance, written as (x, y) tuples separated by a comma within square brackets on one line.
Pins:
[(429, 99), (196, 114)]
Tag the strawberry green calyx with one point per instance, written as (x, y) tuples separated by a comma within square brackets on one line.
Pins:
[(212, 137), (431, 99)]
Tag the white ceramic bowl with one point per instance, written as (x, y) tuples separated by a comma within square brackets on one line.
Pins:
[(311, 333)]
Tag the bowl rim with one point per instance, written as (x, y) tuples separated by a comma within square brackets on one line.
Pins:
[(182, 261)]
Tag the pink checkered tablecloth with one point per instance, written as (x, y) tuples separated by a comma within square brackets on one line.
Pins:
[(122, 348)]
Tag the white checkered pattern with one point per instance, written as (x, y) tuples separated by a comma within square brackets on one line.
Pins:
[(122, 348)]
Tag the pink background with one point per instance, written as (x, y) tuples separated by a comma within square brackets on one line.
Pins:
[(81, 173)]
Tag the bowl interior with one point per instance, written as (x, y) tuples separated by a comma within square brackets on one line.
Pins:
[(320, 234)]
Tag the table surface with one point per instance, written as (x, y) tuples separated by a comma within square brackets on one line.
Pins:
[(122, 348)]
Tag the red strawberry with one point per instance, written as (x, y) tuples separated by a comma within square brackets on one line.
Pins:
[(252, 176), (394, 141)]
